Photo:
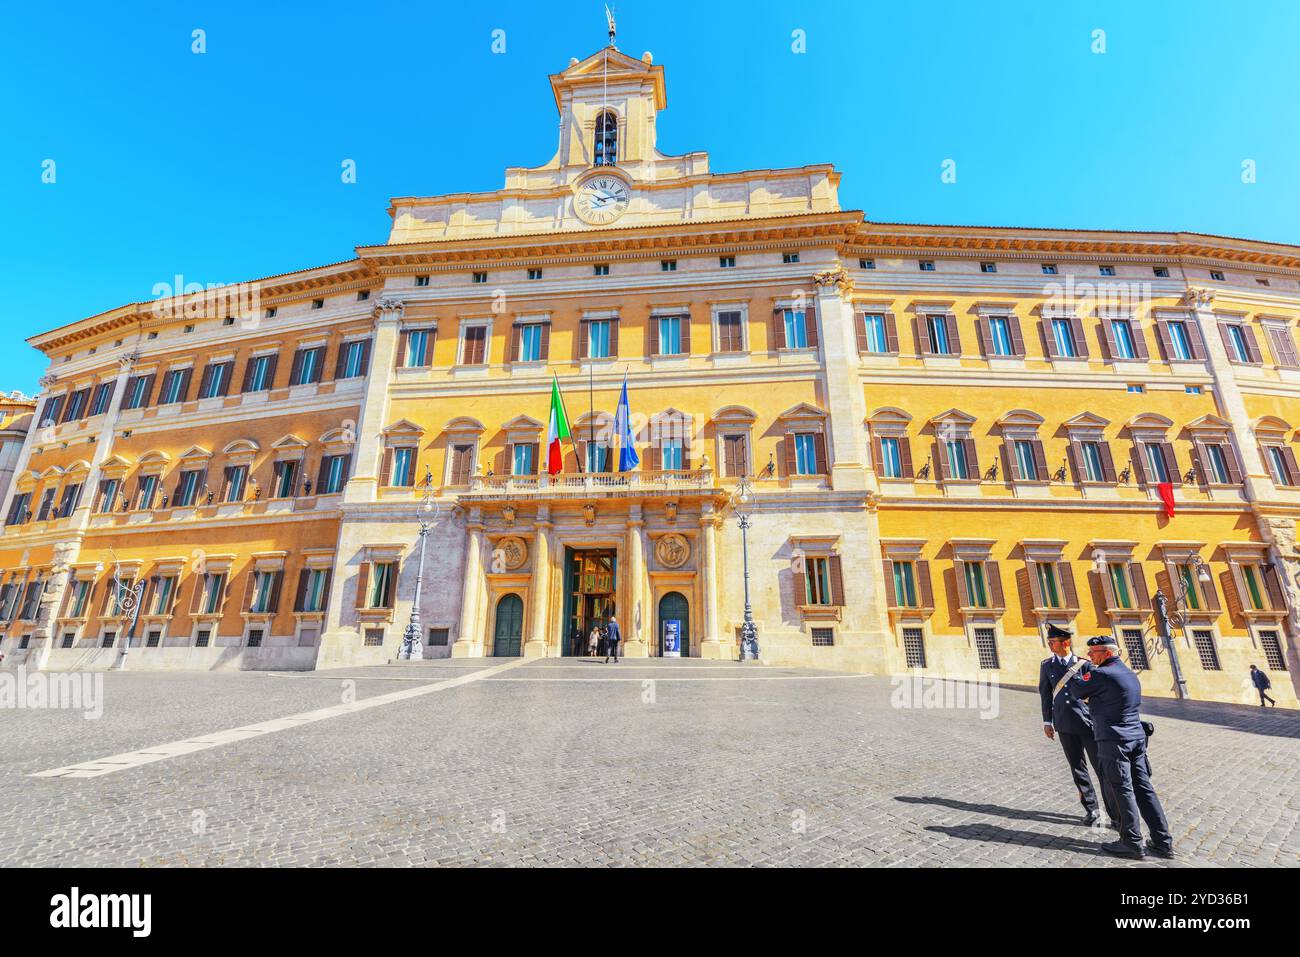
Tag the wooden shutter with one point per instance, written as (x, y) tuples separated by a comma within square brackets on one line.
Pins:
[(545, 346), (1165, 340), (819, 450), (860, 327), (891, 592), (1252, 344), (778, 328), (1075, 455), (340, 360), (206, 380), (391, 590), (924, 589), (686, 334), (274, 606), (1065, 574), (941, 461), (1049, 340), (652, 336), (964, 598), (985, 340), (972, 460), (1276, 597), (1040, 461), (1284, 350), (954, 335), (1107, 463), (1141, 597), (1209, 594), (905, 455), (249, 364), (810, 324), (686, 454), (1194, 338), (1035, 586), (399, 359), (791, 455), (183, 393), (365, 358), (800, 583), (1139, 340), (584, 338), (300, 596), (363, 585), (993, 577), (1201, 459), (271, 364), (1234, 464), (837, 580), (730, 455), (225, 379), (655, 460), (613, 337), (1108, 339), (922, 325), (1017, 336), (1140, 464), (891, 332), (249, 588), (1080, 343), (1009, 460), (1171, 463), (386, 469), (148, 397), (295, 369), (1292, 473)]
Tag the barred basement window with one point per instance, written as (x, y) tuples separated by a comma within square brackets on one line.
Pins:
[(1272, 650), (823, 637), (109, 639), (439, 637), (24, 641), (153, 639), (986, 647), (203, 638), (68, 638), (1204, 641), (1136, 648), (374, 637), (255, 638), (914, 647)]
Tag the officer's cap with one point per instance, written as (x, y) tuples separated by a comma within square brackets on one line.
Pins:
[(1053, 632)]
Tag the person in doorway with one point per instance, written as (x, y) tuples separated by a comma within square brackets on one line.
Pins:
[(614, 637), (593, 641), (1262, 684)]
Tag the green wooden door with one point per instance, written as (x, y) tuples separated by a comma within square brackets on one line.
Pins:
[(673, 605), (510, 626)]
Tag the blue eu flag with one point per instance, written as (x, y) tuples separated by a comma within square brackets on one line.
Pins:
[(627, 457)]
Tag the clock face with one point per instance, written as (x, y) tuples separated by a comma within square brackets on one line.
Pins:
[(601, 199)]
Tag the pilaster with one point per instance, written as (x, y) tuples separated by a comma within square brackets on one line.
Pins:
[(845, 400)]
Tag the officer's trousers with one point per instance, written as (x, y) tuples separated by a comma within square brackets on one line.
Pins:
[(1125, 767), (1080, 750)]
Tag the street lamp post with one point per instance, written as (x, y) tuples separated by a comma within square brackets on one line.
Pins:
[(748, 630), (1164, 619), (412, 645)]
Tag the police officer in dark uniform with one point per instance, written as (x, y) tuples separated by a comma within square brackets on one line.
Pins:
[(1065, 718), (1114, 697)]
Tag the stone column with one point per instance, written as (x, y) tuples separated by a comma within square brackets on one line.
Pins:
[(469, 634), (363, 486), (845, 400), (707, 563), (535, 646), (634, 619)]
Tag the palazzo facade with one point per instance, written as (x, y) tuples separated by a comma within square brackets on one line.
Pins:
[(947, 436)]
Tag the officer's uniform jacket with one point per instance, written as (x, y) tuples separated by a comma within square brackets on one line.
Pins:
[(1067, 712), (1114, 697)]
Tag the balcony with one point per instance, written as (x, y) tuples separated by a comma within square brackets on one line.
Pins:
[(635, 484)]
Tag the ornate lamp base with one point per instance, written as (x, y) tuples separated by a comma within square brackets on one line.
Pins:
[(412, 647)]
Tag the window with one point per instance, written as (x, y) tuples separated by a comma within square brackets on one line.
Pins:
[(354, 358), (905, 585), (478, 278), (598, 339), (113, 604), (524, 458), (402, 473), (730, 333), (1262, 282), (986, 648), (670, 335), (47, 500), (1204, 641), (284, 481), (24, 642), (1161, 272), (1026, 463), (255, 637), (163, 589), (1192, 601), (866, 264), (796, 328), (422, 280), (914, 647), (937, 327), (474, 349), (988, 267), (1179, 343), (1000, 336), (439, 637), (1279, 459), (1136, 649), (954, 451), (333, 474), (137, 391), (789, 258), (1047, 584), (821, 581), (1157, 467), (71, 499), (1192, 389), (187, 488), (1119, 584), (735, 455), (605, 148), (727, 262), (68, 638), (314, 589), (976, 592), (805, 447), (926, 265), (307, 365), (668, 265), (1063, 338), (600, 269), (318, 304), (203, 638), (175, 386), (108, 492), (1106, 270), (1049, 269), (1135, 389), (1216, 275), (462, 463), (19, 508), (672, 455), (823, 637), (1122, 333), (1235, 339), (216, 380), (80, 598), (891, 457), (271, 311), (264, 592), (1254, 594), (31, 599), (1271, 644), (153, 639), (535, 273), (597, 456), (103, 396), (876, 332), (213, 592), (383, 576), (236, 480), (1217, 464), (259, 374), (76, 405), (374, 637), (108, 640)]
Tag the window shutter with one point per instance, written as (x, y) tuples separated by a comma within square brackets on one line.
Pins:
[(295, 370), (1049, 340), (982, 333), (227, 476), (321, 473), (1139, 340), (196, 593), (890, 591), (1209, 594), (1171, 463), (686, 455), (819, 449), (1227, 342), (363, 585), (341, 359), (993, 575), (1252, 344), (1107, 463), (365, 357), (325, 588), (271, 364), (972, 460), (584, 338), (1140, 465), (860, 327), (730, 455), (1008, 461), (963, 584), (275, 591), (1234, 464), (652, 334), (1166, 341), (1108, 339), (249, 589), (1017, 336), (1080, 343), (248, 374), (1194, 338), (954, 335), (1141, 597), (1035, 586), (655, 460), (810, 324), (1076, 459), (922, 326), (1284, 348), (1108, 590), (147, 399), (1276, 597), (800, 584), (686, 334), (923, 586), (1292, 472), (778, 328), (392, 585), (300, 596), (545, 346), (613, 337), (891, 332), (1202, 462), (791, 456), (386, 469), (1040, 461), (905, 455), (941, 461), (183, 393), (837, 580), (1066, 574), (399, 360)]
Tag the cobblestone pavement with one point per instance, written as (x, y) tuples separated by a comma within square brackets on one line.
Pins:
[(563, 762)]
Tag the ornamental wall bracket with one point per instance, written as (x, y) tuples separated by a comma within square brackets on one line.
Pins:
[(389, 308), (837, 277), (589, 514), (1198, 297), (48, 381), (508, 514)]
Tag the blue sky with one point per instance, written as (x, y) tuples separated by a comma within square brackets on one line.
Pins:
[(225, 166)]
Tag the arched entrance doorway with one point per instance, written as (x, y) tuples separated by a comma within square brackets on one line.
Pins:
[(673, 607), (510, 626)]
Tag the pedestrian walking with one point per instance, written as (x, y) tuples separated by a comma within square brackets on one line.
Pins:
[(1262, 684)]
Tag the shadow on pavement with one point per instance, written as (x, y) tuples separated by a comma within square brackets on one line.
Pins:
[(991, 834), (1047, 817)]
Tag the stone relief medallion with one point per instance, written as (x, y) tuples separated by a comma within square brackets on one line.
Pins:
[(514, 552), (673, 550)]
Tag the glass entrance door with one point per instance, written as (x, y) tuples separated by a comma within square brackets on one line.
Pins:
[(591, 582)]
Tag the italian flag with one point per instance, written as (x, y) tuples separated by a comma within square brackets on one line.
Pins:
[(557, 429)]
